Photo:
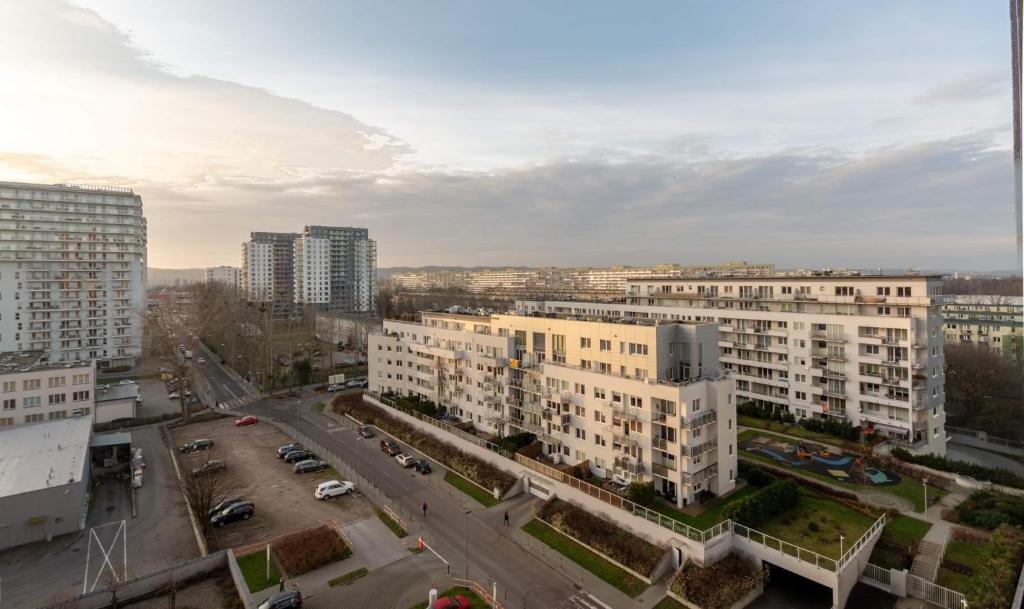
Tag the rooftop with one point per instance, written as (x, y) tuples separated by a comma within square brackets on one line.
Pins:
[(24, 361), (789, 277), (43, 455), (81, 187), (117, 392), (985, 299)]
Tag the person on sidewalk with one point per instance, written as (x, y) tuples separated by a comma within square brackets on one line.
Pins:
[(424, 508), (280, 584), (506, 519)]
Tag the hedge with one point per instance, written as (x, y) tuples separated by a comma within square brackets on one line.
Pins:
[(606, 537), (477, 470), (839, 428), (988, 510), (304, 551), (774, 499), (719, 585), (994, 585), (995, 475)]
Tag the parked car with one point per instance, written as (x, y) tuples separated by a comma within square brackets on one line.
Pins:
[(357, 383), (213, 465), (334, 387), (423, 466), (126, 382), (366, 432), (246, 420), (309, 465), (284, 600), (298, 455), (243, 510), (194, 445), (452, 602), (333, 488), (174, 395), (390, 447), (406, 460), (223, 505), (287, 448), (202, 360)]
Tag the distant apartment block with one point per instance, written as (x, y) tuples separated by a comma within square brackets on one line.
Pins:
[(867, 349), (72, 272), (230, 276), (331, 268), (631, 400), (994, 322), (573, 283)]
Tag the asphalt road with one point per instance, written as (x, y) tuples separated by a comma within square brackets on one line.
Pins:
[(223, 386), (978, 456), (447, 526)]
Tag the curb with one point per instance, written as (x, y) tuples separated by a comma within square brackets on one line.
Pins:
[(200, 541)]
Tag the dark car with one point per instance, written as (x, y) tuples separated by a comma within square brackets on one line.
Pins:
[(298, 455), (239, 511), (211, 466), (390, 447), (309, 465), (220, 507), (422, 466), (194, 445), (287, 448), (284, 600), (366, 432)]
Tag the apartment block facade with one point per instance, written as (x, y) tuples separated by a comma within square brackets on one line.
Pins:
[(72, 272), (331, 268), (635, 401), (867, 349), (33, 390), (230, 276), (993, 322)]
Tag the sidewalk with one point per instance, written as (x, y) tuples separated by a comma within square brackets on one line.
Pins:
[(228, 370)]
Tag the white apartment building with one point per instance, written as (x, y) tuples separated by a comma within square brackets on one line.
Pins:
[(72, 272), (992, 322), (258, 271), (312, 258), (867, 349), (636, 401), (33, 389), (230, 276)]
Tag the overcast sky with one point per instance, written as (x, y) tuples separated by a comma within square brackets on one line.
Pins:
[(551, 133)]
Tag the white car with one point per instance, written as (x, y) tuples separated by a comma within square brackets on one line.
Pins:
[(126, 382), (332, 489), (202, 360), (174, 395), (406, 460)]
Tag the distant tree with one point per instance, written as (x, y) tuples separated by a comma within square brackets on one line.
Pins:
[(984, 390), (303, 371), (997, 286)]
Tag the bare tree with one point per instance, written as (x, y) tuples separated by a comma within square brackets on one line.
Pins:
[(166, 334), (202, 491)]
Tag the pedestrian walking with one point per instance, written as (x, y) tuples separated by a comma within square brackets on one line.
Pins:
[(280, 584), (506, 519), (424, 508)]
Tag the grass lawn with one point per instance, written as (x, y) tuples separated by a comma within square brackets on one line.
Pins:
[(254, 569), (908, 488), (797, 431), (347, 578), (564, 545), (965, 553), (480, 495), (903, 531), (475, 602), (669, 603), (711, 516), (830, 518), (391, 524)]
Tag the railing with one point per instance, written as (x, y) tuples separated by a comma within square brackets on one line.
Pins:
[(925, 590), (982, 436), (479, 590), (818, 560), (878, 576), (864, 540)]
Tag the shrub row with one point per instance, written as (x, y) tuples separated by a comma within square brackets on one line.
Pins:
[(995, 475), (830, 426), (755, 476), (417, 404), (303, 551), (719, 585), (988, 510), (477, 470), (994, 584), (774, 499), (604, 536), (515, 442)]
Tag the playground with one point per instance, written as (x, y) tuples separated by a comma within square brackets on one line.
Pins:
[(805, 455)]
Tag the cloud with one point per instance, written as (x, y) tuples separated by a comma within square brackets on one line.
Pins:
[(967, 88)]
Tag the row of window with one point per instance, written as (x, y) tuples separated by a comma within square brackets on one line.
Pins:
[(52, 382), (51, 416), (33, 401)]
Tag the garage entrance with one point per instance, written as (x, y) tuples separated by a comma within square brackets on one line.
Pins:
[(787, 590)]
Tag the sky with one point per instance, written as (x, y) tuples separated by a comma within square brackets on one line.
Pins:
[(799, 133)]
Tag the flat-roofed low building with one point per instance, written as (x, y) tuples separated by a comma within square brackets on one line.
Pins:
[(116, 402), (33, 389), (44, 480), (630, 400)]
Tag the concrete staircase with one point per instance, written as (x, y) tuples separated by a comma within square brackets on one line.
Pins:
[(926, 563)]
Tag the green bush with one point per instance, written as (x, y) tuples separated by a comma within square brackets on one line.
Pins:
[(989, 509), (642, 493), (719, 585), (756, 476), (774, 499), (515, 442), (839, 428), (993, 586), (995, 475)]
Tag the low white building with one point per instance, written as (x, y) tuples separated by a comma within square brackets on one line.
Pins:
[(33, 390), (116, 402)]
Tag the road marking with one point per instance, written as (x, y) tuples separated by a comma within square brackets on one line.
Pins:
[(228, 389)]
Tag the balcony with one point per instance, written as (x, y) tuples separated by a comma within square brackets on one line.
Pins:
[(833, 393), (628, 465), (699, 421), (663, 444), (832, 374), (700, 449), (620, 437), (622, 411), (891, 340)]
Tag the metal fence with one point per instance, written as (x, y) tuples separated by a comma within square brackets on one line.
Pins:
[(818, 560), (925, 590), (880, 577), (876, 527)]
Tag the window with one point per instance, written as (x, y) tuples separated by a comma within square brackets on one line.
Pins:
[(58, 414), (28, 384), (584, 343), (33, 418), (605, 345), (904, 291), (31, 401), (58, 398), (881, 291), (696, 405), (10, 386), (637, 349), (56, 381), (579, 388), (599, 393), (844, 290), (10, 404), (6, 421)]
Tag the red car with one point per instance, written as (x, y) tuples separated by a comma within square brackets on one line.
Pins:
[(452, 602), (249, 420)]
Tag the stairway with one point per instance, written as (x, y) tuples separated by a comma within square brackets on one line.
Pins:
[(926, 563)]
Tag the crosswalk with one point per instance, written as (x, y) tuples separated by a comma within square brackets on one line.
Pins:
[(581, 599), (237, 402)]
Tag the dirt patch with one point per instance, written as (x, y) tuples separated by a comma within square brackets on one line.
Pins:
[(284, 500), (198, 595)]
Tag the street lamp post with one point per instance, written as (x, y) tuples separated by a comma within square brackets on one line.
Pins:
[(924, 484), (465, 533), (841, 539)]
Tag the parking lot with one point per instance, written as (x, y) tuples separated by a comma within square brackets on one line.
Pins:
[(284, 500)]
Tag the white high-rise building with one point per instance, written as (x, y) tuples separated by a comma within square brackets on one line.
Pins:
[(72, 272), (867, 349), (258, 271), (230, 276), (312, 259), (635, 401)]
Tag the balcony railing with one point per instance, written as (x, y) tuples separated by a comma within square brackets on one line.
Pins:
[(700, 421)]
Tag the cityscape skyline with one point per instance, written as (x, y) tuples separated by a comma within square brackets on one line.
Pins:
[(822, 152)]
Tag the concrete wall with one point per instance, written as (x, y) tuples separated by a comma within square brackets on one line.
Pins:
[(980, 440), (60, 506), (113, 410)]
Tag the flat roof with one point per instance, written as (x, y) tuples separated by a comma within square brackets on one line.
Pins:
[(985, 299), (118, 392), (43, 455), (784, 278), (116, 438), (27, 361)]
